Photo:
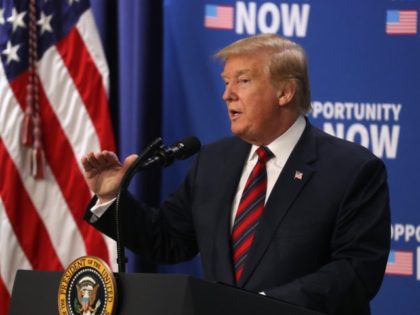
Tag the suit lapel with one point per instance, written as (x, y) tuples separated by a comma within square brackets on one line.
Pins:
[(231, 173), (295, 174)]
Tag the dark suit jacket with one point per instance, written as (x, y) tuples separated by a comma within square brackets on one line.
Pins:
[(322, 241)]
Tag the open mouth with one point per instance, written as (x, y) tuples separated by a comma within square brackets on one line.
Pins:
[(234, 113)]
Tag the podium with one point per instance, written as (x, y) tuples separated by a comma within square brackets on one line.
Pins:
[(35, 292)]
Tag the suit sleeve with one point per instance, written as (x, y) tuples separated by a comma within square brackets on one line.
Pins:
[(163, 234), (359, 250)]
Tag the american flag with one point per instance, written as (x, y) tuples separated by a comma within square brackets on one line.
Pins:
[(401, 22), (400, 263), (298, 175), (217, 16), (65, 96)]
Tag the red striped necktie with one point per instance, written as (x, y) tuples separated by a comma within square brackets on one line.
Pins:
[(249, 211)]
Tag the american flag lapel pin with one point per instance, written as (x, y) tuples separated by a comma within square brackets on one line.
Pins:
[(298, 175)]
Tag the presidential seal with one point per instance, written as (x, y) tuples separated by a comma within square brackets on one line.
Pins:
[(87, 287)]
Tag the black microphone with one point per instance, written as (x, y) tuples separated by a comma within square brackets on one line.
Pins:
[(156, 154), (181, 150)]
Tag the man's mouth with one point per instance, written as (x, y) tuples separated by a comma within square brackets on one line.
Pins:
[(234, 113)]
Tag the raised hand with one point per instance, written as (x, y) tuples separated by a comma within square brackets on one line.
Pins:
[(103, 173)]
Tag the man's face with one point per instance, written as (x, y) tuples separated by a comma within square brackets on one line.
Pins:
[(251, 99)]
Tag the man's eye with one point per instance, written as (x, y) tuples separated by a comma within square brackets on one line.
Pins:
[(244, 80)]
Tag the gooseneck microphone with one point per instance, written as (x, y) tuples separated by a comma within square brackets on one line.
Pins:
[(166, 155), (159, 155), (155, 155)]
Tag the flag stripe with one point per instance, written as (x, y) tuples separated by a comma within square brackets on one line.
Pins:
[(4, 297), (12, 256), (80, 65), (26, 223), (82, 137), (85, 25)]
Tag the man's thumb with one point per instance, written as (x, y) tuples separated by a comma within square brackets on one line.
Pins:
[(129, 160)]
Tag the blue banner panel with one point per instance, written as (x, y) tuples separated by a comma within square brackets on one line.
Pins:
[(365, 74)]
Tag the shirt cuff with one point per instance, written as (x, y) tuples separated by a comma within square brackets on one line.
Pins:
[(99, 209)]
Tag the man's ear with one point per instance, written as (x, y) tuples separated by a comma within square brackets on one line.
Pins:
[(286, 92)]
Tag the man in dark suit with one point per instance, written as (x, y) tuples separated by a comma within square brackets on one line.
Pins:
[(281, 208)]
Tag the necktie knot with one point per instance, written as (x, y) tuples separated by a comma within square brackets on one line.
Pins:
[(264, 154)]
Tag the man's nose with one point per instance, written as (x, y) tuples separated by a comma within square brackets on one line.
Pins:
[(229, 93)]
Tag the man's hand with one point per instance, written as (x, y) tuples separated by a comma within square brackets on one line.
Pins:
[(103, 173)]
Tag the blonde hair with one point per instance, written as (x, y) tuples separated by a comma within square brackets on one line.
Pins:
[(287, 62)]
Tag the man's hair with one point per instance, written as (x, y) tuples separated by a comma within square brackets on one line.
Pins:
[(287, 62)]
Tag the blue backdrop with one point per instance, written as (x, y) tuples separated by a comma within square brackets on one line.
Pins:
[(365, 88)]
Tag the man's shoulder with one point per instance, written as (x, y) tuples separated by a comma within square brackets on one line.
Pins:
[(335, 147)]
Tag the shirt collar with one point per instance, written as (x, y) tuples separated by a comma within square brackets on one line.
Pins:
[(283, 146)]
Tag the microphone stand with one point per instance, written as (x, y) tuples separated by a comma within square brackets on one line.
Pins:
[(136, 166)]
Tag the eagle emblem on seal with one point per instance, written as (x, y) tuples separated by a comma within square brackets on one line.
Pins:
[(86, 296)]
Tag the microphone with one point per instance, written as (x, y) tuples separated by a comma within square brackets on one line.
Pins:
[(156, 154), (181, 150)]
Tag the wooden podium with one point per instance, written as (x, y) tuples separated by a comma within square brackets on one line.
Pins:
[(35, 293)]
